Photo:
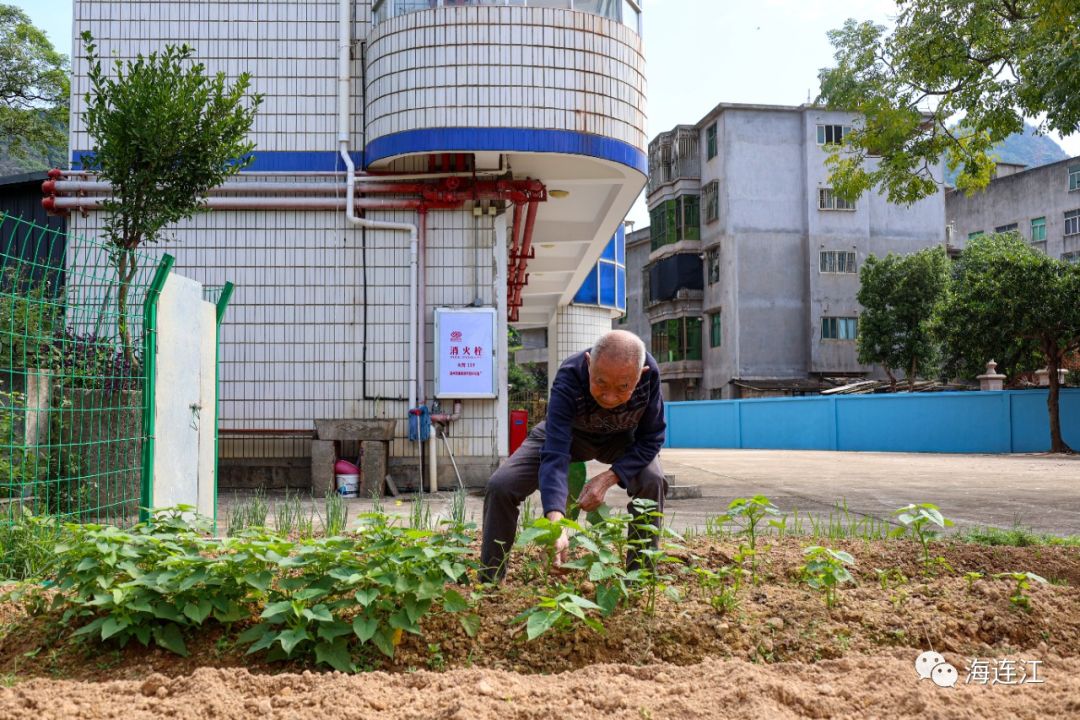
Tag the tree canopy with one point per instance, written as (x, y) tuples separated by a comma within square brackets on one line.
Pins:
[(33, 91), (898, 295), (1007, 297), (164, 133), (990, 62)]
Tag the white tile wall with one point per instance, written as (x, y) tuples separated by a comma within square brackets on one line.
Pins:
[(573, 329), (530, 68), (288, 47)]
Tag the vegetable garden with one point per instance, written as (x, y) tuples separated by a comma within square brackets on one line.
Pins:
[(817, 618)]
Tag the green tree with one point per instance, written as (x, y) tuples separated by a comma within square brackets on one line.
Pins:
[(33, 90), (898, 295), (164, 133), (991, 62), (1006, 297)]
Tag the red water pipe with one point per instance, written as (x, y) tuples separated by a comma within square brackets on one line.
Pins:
[(521, 277)]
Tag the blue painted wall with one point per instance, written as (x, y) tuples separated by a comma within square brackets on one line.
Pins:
[(964, 422)]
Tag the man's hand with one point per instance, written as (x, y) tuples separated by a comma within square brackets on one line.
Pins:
[(592, 495), (562, 545)]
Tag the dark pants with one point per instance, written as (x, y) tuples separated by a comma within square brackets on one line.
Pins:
[(519, 477)]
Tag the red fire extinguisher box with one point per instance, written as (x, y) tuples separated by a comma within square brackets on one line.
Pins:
[(519, 428)]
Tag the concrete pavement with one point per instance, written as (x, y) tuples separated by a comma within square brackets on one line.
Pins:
[(1040, 492)]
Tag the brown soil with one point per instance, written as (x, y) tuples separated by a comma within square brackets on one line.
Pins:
[(780, 653)]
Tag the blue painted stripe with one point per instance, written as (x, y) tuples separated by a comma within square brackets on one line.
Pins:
[(565, 142), (277, 161)]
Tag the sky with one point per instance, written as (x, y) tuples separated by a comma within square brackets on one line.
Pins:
[(698, 52)]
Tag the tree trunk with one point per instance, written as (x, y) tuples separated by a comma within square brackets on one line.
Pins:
[(892, 378), (1053, 362), (128, 264), (911, 376)]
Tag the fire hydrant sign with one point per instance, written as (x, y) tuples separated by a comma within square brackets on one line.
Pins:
[(465, 353)]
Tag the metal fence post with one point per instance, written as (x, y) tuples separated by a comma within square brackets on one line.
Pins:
[(222, 305), (149, 388)]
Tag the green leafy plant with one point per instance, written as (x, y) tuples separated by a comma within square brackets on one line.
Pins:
[(893, 575), (971, 577), (559, 612), (748, 514), (155, 581), (825, 570), (1023, 582), (718, 587), (333, 598), (919, 520)]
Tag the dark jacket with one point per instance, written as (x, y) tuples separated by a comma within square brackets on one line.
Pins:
[(572, 411)]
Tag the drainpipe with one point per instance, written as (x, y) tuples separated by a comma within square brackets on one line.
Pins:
[(344, 54)]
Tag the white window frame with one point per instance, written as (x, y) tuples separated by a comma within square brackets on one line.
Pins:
[(837, 262), (1010, 227), (1072, 222), (1074, 177), (828, 201)]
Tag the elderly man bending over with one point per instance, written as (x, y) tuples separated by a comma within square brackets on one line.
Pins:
[(605, 405)]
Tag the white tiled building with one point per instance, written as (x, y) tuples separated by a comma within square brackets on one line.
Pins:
[(484, 90)]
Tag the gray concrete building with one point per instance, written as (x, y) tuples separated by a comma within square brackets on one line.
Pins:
[(1042, 204), (752, 270)]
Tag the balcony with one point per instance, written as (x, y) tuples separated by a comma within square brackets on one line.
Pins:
[(674, 156), (627, 12)]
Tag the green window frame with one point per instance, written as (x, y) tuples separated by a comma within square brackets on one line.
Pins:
[(676, 340), (839, 328), (973, 235), (675, 220), (1074, 177), (710, 142), (715, 330), (1038, 229)]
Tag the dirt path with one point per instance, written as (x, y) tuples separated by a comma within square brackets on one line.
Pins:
[(854, 687)]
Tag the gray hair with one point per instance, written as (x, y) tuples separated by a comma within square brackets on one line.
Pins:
[(621, 347)]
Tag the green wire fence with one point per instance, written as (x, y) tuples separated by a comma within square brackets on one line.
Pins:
[(72, 375)]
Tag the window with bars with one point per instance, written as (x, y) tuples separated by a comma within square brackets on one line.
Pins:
[(713, 259), (676, 340), (1071, 257), (1074, 177), (829, 200), (715, 329), (711, 193), (831, 134), (710, 142), (1011, 227), (1072, 222), (1038, 229), (839, 328), (837, 261), (973, 235)]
